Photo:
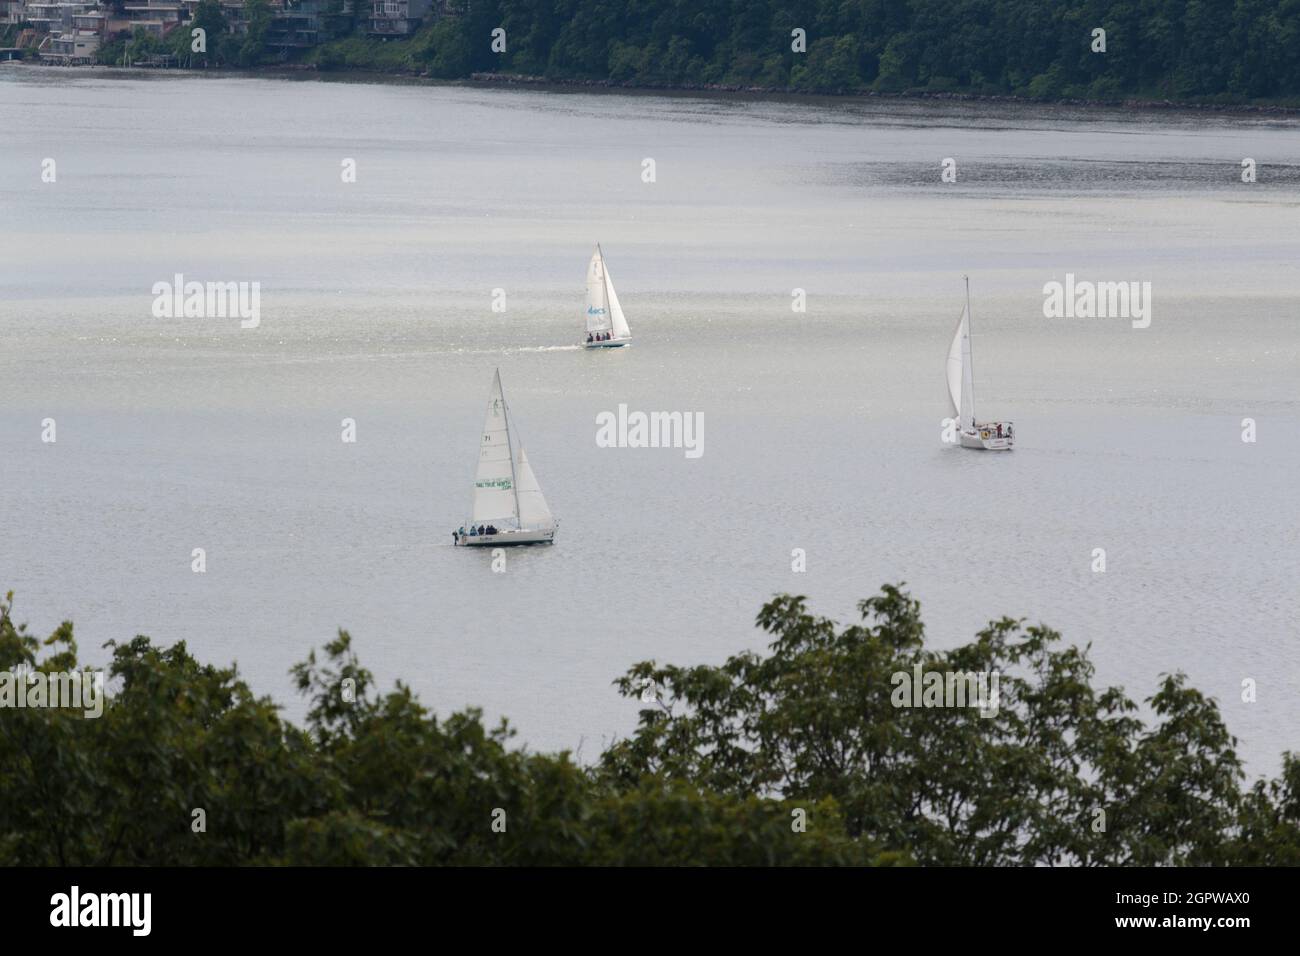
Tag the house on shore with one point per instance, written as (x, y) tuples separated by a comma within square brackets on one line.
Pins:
[(71, 32), (392, 19), (12, 11), (75, 30)]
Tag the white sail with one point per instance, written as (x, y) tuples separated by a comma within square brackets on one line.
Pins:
[(619, 321), (961, 384), (495, 497), (598, 317), (533, 512)]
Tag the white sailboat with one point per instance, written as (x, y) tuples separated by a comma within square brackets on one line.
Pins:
[(991, 436), (606, 324), (509, 507)]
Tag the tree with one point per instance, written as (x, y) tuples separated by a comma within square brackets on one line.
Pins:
[(1060, 774), (1206, 49), (799, 757), (372, 780), (258, 15), (209, 17)]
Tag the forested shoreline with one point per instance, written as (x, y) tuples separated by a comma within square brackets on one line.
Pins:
[(1202, 51), (1214, 52)]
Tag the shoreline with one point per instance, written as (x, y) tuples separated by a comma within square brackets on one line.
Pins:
[(707, 90), (1133, 103)]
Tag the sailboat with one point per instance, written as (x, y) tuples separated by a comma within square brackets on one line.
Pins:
[(509, 507), (991, 436), (606, 324)]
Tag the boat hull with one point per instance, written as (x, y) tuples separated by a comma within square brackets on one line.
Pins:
[(987, 439), (506, 538), (611, 344)]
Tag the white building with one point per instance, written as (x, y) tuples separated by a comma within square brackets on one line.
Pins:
[(398, 18)]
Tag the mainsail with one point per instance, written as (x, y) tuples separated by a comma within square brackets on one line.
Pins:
[(598, 318), (495, 496), (506, 492), (604, 314), (961, 384)]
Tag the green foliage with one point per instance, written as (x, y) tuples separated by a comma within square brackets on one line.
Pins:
[(9, 32), (374, 780), (209, 17), (950, 786), (440, 47), (1208, 50), (253, 48), (447, 49), (1244, 48), (1270, 819), (831, 65), (798, 757)]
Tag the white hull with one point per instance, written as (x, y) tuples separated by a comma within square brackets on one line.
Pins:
[(987, 439), (504, 538), (610, 344)]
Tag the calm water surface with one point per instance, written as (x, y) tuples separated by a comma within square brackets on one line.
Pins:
[(821, 429)]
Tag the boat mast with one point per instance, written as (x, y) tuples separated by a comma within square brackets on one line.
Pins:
[(971, 351), (514, 482)]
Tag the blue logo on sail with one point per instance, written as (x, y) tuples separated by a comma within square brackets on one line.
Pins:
[(592, 310)]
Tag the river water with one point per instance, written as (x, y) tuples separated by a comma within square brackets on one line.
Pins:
[(821, 428)]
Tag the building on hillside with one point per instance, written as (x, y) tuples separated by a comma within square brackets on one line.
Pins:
[(232, 10), (290, 31), (71, 48), (13, 11), (305, 23), (75, 30), (397, 18), (338, 17), (158, 17), (45, 15)]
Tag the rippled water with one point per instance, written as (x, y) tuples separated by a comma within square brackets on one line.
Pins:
[(821, 429)]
